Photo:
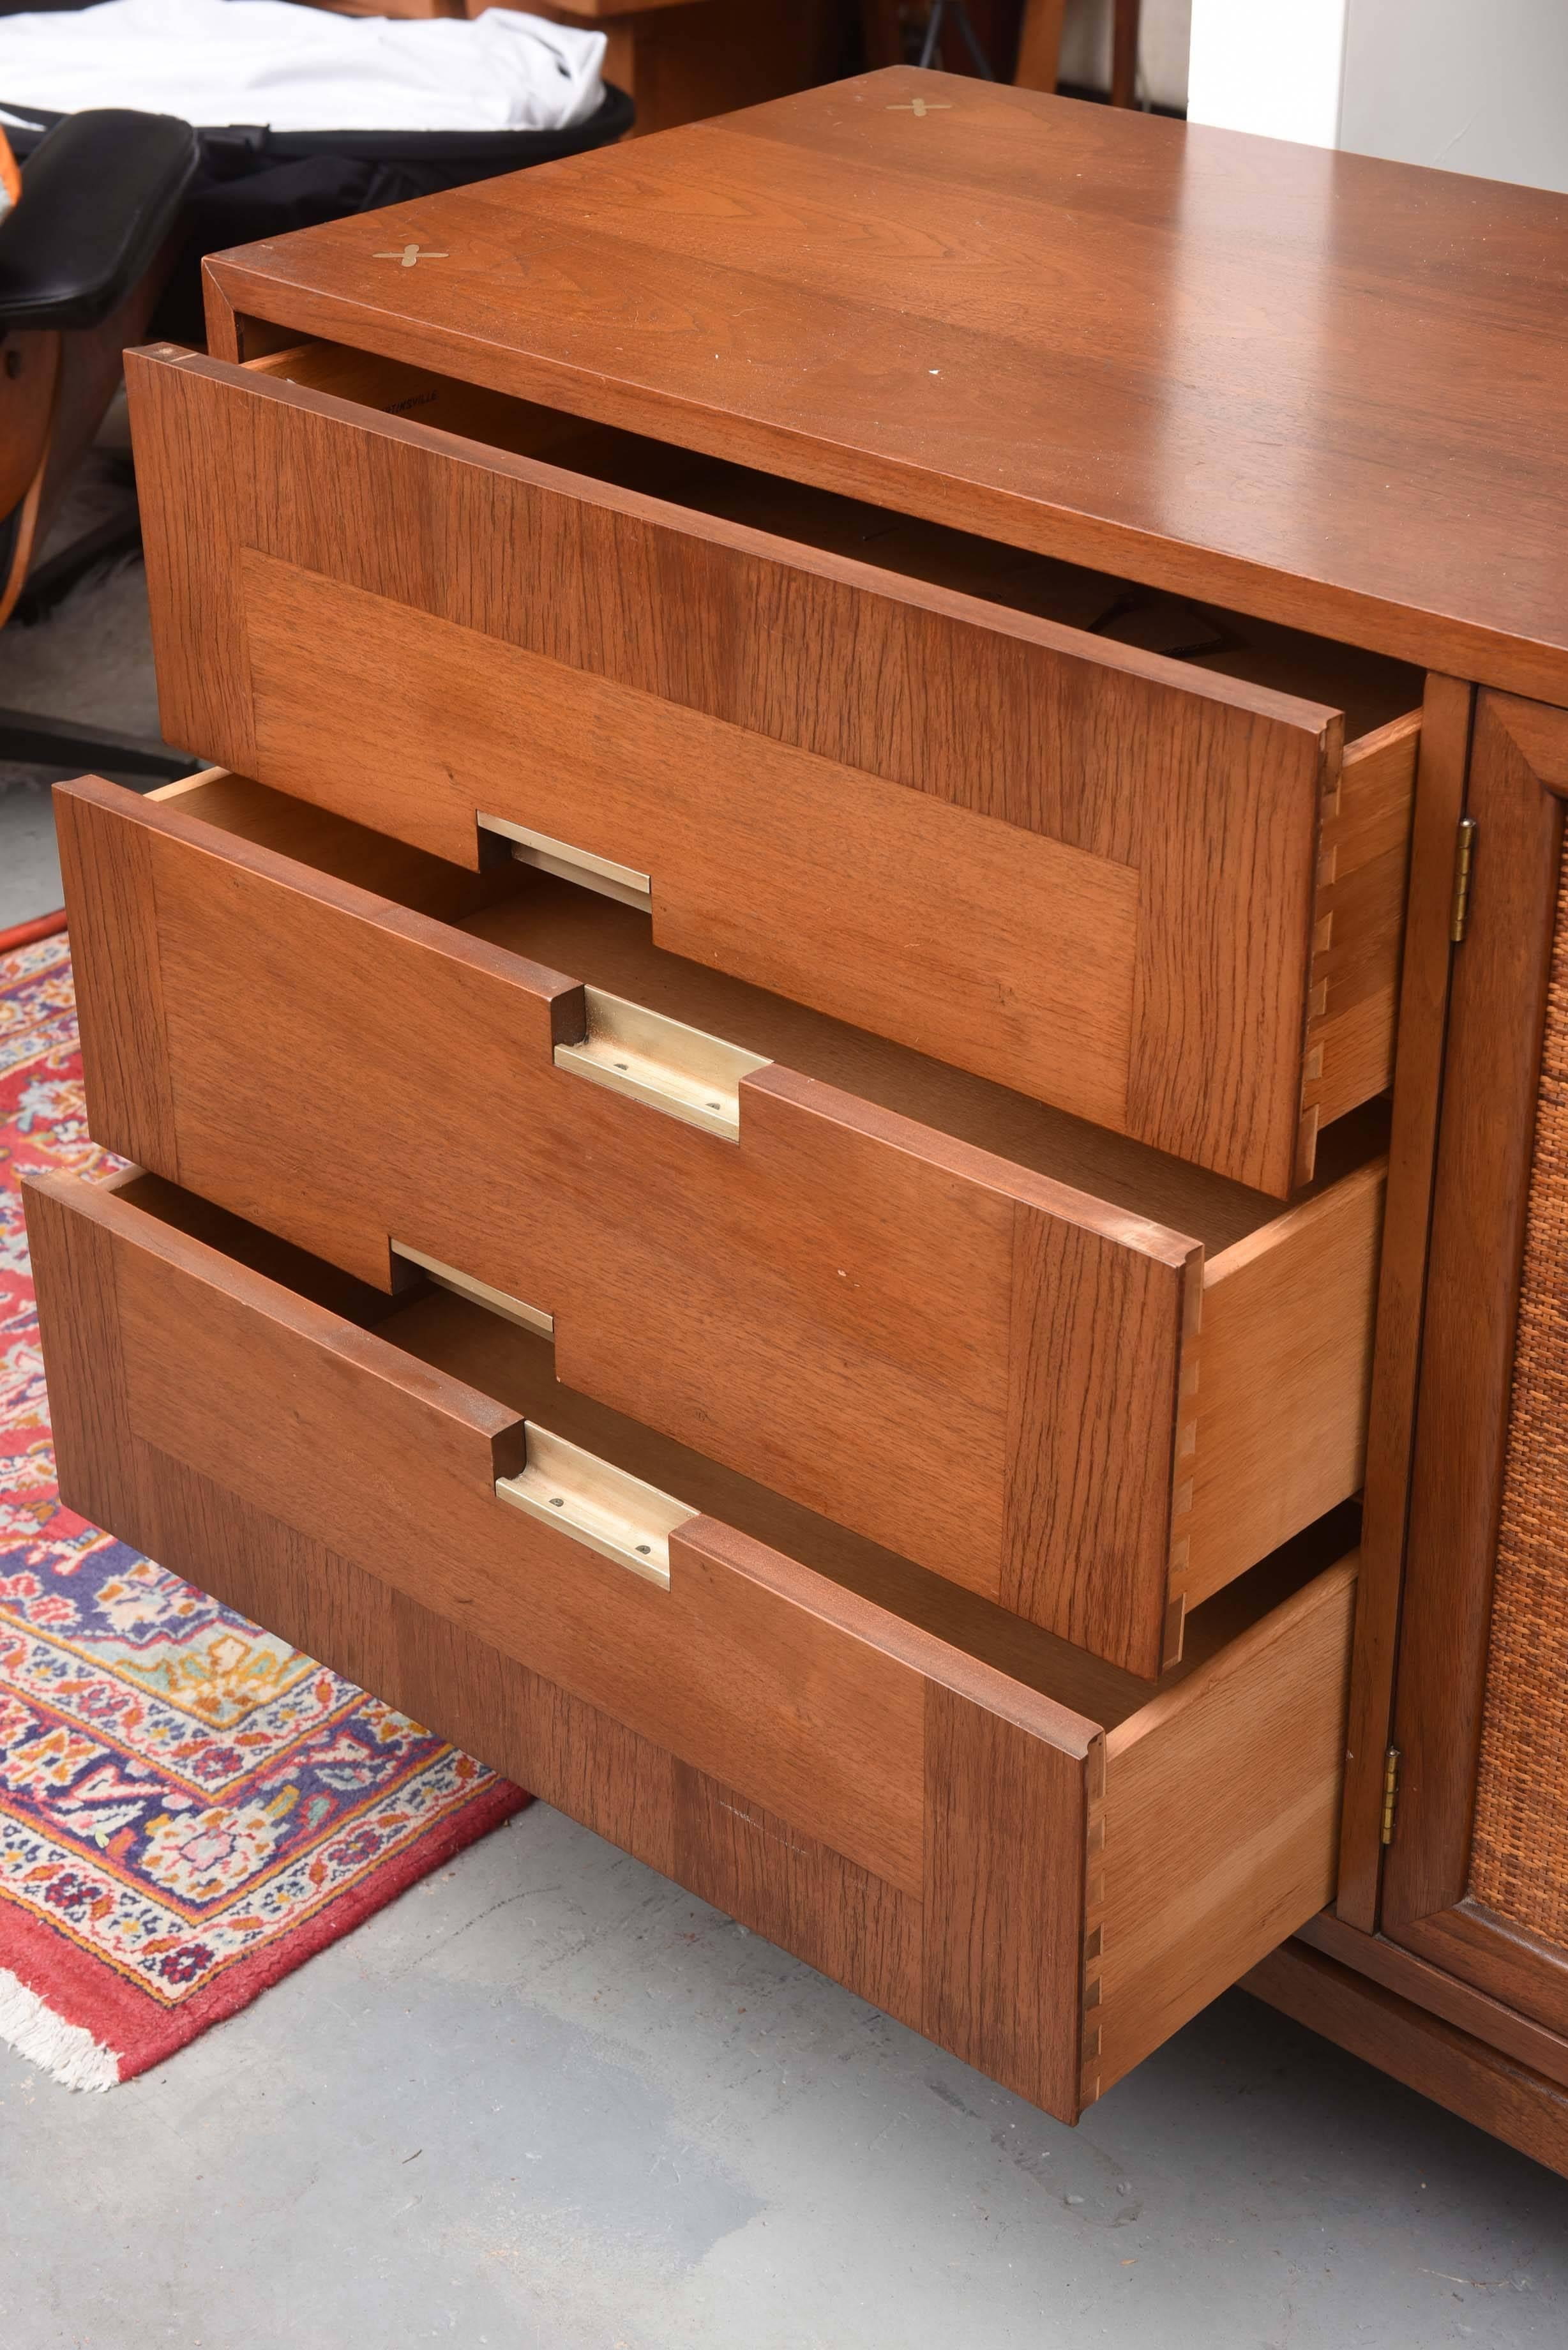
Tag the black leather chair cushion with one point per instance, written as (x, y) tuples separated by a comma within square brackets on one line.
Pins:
[(100, 194)]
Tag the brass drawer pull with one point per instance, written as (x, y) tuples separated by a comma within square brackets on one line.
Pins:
[(579, 865), (464, 1284), (688, 1075), (596, 1503)]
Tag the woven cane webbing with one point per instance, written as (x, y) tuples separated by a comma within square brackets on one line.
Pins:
[(1518, 1862)]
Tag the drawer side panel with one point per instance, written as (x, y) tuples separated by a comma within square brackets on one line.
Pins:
[(1222, 1820), (1284, 1380)]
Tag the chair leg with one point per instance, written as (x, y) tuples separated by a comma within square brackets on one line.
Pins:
[(1124, 52), (1040, 45), (51, 582), (883, 33)]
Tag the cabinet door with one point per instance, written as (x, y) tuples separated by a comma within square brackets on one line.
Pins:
[(1476, 1875)]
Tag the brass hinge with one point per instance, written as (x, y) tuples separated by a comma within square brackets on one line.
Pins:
[(1464, 851), (1390, 1793)]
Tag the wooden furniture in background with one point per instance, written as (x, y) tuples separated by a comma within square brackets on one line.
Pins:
[(682, 60), (1040, 48), (788, 413), (76, 285), (677, 60)]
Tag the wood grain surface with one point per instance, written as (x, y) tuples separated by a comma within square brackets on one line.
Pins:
[(1078, 868), (1398, 1970), (1358, 928), (915, 1822), (963, 1355), (1525, 2108), (1285, 1342), (1316, 386), (1402, 1281)]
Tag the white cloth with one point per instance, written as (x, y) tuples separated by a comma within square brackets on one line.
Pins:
[(266, 61)]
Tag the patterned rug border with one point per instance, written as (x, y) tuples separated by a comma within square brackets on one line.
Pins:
[(30, 935), (80, 1993)]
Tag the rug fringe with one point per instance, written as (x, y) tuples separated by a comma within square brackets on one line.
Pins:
[(66, 2052)]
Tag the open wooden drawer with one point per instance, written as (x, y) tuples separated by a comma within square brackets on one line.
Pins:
[(1022, 1853), (945, 793), (1082, 1378)]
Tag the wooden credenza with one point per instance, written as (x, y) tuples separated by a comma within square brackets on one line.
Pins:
[(825, 1153)]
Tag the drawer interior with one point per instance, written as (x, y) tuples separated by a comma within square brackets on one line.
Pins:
[(515, 1366), (1369, 688), (609, 946)]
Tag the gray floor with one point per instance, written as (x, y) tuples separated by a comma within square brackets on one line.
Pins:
[(547, 2101)]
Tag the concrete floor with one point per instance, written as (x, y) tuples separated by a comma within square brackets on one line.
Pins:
[(547, 2101)]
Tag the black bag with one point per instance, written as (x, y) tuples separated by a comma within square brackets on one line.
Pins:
[(255, 183)]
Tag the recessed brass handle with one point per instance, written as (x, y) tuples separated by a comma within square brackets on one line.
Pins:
[(464, 1284), (572, 864), (596, 1503), (680, 1070)]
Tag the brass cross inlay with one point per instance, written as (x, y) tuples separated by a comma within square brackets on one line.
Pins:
[(410, 253), (920, 107)]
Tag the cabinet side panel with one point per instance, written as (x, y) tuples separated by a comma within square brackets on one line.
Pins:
[(1401, 1279)]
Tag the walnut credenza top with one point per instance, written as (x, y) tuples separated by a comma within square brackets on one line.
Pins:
[(1317, 387)]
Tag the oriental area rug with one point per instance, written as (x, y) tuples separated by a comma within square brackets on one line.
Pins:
[(189, 1808)]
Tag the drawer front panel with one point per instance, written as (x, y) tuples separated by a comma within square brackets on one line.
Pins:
[(767, 861), (962, 1849), (959, 1358), (1066, 863), (779, 1693)]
